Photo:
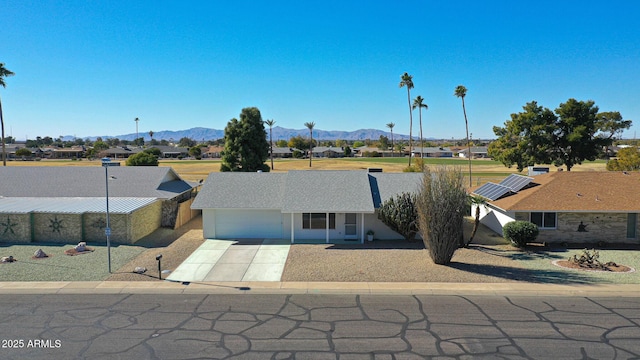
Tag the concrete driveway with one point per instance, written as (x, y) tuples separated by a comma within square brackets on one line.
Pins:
[(234, 260)]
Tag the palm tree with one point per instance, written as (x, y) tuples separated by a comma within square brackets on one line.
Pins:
[(477, 201), (310, 126), (390, 126), (4, 72), (151, 135), (418, 102), (407, 80), (270, 123), (461, 92)]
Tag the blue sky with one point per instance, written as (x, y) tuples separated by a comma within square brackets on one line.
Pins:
[(88, 68)]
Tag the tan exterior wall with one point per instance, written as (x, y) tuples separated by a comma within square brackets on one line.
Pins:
[(145, 221), (606, 227), (94, 225), (58, 228), (15, 228)]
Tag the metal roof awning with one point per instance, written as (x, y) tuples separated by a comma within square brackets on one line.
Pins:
[(80, 205)]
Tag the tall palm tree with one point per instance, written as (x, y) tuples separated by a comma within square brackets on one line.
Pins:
[(407, 80), (461, 92), (4, 72), (418, 102), (270, 123), (310, 126), (151, 135), (390, 126)]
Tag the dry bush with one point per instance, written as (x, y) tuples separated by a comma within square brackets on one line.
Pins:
[(441, 205)]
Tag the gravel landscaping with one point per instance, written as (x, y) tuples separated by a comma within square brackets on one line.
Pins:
[(490, 259), (90, 266)]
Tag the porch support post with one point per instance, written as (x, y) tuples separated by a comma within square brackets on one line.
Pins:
[(292, 229), (327, 227), (361, 228)]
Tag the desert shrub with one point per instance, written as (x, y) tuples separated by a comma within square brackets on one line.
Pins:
[(401, 215), (142, 159), (520, 232), (441, 205)]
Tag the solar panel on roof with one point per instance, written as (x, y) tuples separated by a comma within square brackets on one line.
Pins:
[(492, 191), (516, 182)]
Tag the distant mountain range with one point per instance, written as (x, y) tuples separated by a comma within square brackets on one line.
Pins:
[(279, 133)]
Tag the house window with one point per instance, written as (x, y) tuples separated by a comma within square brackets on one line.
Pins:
[(318, 221), (544, 220)]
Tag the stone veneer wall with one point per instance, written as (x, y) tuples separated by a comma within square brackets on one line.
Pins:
[(94, 225), (606, 227), (58, 228), (15, 228)]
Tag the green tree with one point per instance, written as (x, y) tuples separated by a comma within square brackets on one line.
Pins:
[(100, 145), (526, 139), (153, 151), (390, 126), (406, 80), (151, 135), (628, 159), (186, 142), (245, 147), (310, 126), (418, 102), (282, 143), (400, 214), (23, 152), (142, 159), (461, 92), (270, 123), (441, 207), (383, 143), (347, 151), (4, 72), (539, 136), (195, 151), (358, 144)]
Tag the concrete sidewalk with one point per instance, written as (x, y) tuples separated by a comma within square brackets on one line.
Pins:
[(274, 287)]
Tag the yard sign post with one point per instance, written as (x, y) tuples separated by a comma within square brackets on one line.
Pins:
[(106, 163)]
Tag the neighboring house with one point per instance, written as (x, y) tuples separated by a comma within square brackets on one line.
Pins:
[(120, 152), (432, 152), (213, 152), (68, 203), (74, 152), (172, 151), (300, 205), (572, 207), (328, 152), (477, 152), (282, 152)]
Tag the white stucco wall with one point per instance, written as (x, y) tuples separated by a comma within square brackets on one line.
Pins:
[(492, 218)]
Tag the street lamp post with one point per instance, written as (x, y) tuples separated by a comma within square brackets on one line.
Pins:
[(106, 163), (136, 120)]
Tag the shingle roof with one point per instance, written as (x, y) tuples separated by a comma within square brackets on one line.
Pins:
[(232, 190), (387, 185), (89, 181), (327, 191), (304, 191), (577, 191)]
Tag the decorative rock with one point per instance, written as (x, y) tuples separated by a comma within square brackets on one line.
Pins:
[(7, 259), (82, 246), (40, 254), (140, 270)]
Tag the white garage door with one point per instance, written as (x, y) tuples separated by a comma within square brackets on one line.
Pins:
[(245, 224)]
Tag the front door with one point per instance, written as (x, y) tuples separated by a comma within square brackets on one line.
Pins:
[(632, 223), (350, 227)]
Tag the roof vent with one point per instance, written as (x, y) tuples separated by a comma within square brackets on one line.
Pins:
[(374, 170)]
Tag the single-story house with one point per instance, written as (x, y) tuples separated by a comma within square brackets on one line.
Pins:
[(68, 203), (282, 152), (432, 152), (213, 152), (300, 205), (571, 207), (328, 151), (477, 152)]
